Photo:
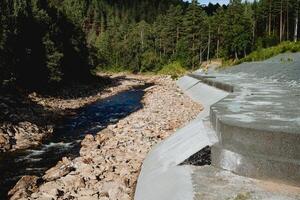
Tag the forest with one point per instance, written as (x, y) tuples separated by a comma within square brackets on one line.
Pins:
[(46, 43)]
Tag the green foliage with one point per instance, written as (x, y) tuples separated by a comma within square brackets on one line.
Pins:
[(53, 60), (195, 26), (40, 46), (266, 41), (237, 40), (150, 61), (173, 69), (50, 42), (265, 53)]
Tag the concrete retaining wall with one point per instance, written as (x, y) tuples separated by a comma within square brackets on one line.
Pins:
[(161, 177)]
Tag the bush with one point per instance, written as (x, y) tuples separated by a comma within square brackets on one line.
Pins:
[(266, 41), (150, 61), (174, 69)]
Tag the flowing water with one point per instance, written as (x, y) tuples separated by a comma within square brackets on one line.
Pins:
[(66, 138)]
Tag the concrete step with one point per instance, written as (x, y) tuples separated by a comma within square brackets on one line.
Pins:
[(258, 127), (253, 140), (270, 168)]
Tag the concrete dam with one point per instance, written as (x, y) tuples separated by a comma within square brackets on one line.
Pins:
[(245, 144)]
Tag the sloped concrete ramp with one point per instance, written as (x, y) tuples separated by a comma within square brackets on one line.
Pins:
[(161, 177)]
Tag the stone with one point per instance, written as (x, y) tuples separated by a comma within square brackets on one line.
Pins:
[(104, 135), (61, 169), (24, 187), (74, 182), (103, 198), (4, 142), (88, 198), (88, 139)]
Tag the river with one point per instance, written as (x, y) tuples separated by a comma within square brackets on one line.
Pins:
[(66, 138)]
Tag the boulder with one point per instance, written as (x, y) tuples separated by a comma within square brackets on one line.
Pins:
[(104, 135), (4, 142), (51, 190), (24, 187), (73, 182), (62, 168)]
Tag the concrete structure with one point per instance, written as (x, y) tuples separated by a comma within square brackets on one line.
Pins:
[(251, 122)]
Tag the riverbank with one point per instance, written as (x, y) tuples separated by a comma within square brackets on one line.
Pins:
[(109, 162), (29, 118)]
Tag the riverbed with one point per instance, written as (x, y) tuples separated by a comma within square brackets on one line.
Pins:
[(66, 138)]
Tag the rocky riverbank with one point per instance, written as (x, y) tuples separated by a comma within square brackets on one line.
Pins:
[(28, 118), (109, 162)]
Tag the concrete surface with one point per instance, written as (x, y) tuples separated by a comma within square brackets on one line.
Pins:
[(251, 119), (211, 183), (258, 124), (161, 177)]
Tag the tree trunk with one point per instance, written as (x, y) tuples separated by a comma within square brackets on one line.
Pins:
[(270, 17), (281, 24), (160, 48), (283, 28), (296, 22), (218, 42), (193, 53), (208, 45), (287, 19), (177, 35), (236, 56), (142, 39), (253, 31), (200, 56)]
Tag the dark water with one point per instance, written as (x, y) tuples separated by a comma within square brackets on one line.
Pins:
[(66, 138)]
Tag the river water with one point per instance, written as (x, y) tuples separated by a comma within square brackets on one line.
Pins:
[(66, 138)]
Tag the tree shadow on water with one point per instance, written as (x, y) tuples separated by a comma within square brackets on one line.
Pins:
[(67, 135)]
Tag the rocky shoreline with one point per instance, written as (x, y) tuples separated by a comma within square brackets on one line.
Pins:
[(109, 161), (27, 119)]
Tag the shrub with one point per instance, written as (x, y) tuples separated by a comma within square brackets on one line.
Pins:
[(265, 53), (175, 69), (150, 61)]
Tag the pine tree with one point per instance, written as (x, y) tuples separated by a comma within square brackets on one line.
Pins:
[(195, 32), (172, 28), (237, 39)]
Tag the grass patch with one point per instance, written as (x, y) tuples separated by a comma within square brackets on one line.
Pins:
[(174, 69), (241, 196), (266, 53)]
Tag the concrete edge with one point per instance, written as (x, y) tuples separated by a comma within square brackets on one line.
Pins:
[(161, 177)]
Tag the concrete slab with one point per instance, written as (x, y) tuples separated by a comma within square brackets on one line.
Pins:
[(186, 82), (210, 183), (173, 183)]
